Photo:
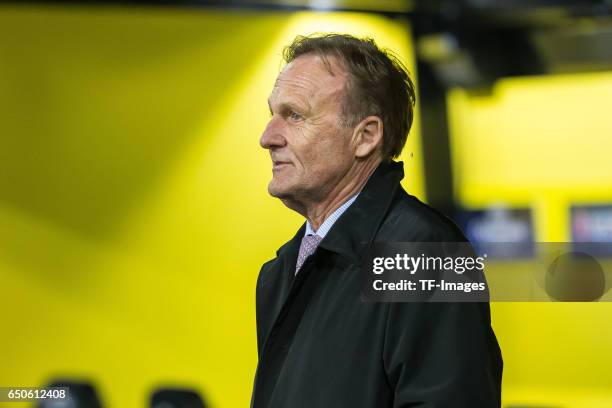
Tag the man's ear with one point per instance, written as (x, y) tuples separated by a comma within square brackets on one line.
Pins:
[(368, 136)]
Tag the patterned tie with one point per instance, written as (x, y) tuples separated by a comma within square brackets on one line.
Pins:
[(307, 247)]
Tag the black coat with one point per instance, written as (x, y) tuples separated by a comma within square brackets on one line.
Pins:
[(320, 346)]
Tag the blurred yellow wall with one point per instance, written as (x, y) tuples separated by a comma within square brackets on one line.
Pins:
[(543, 143), (133, 207)]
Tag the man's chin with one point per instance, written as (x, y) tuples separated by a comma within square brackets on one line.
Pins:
[(277, 191), (287, 197), (280, 191)]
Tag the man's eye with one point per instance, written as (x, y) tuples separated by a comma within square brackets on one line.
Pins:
[(295, 116)]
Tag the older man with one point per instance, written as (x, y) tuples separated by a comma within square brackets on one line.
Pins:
[(340, 112)]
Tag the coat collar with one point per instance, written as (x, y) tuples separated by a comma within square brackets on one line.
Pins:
[(360, 222)]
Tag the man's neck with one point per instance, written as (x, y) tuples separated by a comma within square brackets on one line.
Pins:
[(317, 212)]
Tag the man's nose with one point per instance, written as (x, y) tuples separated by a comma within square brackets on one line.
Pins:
[(273, 135)]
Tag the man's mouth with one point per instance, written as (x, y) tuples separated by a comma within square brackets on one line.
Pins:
[(279, 164)]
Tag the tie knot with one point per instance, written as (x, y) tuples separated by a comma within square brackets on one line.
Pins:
[(308, 246), (311, 239)]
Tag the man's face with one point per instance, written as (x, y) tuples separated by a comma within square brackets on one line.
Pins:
[(309, 147)]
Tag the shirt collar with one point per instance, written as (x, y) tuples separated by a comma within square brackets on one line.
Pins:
[(329, 221)]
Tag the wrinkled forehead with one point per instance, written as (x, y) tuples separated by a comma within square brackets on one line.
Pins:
[(312, 77)]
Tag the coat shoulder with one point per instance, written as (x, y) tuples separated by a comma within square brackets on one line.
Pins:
[(409, 219)]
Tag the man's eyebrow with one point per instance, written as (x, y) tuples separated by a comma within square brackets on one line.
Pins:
[(291, 105)]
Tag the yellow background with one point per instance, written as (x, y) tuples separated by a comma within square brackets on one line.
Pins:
[(134, 214)]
